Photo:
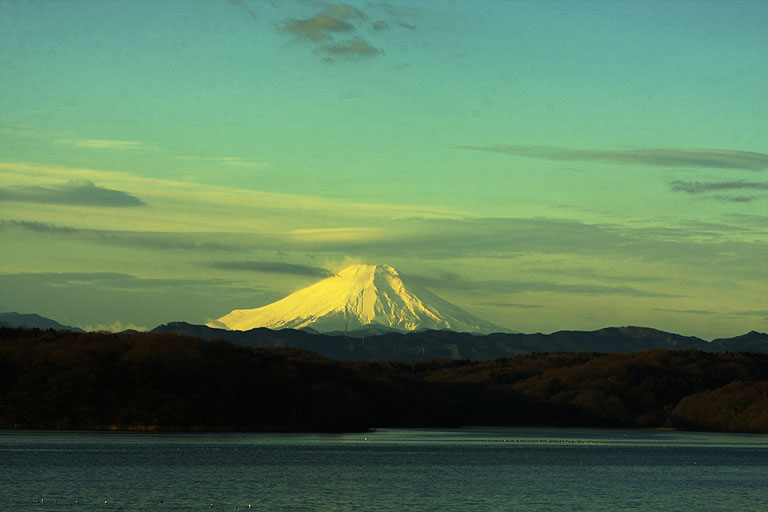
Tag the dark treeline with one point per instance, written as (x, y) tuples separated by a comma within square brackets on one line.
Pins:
[(64, 380)]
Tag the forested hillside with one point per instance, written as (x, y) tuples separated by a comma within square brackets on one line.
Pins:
[(63, 380)]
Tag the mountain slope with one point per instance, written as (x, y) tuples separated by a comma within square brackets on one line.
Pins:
[(753, 341), (13, 319), (358, 296)]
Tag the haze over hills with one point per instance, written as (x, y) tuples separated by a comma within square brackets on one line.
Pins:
[(359, 296)]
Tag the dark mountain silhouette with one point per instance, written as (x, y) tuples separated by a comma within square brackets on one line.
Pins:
[(12, 319), (753, 341), (456, 345)]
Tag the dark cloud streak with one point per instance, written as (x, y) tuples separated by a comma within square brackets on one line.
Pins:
[(736, 199), (76, 193), (272, 267), (317, 29), (350, 47), (139, 239), (512, 286), (332, 31), (659, 157), (698, 187), (38, 227)]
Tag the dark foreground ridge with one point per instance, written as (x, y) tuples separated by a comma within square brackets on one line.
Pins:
[(64, 380)]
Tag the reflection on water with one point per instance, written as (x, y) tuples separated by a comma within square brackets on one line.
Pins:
[(451, 469)]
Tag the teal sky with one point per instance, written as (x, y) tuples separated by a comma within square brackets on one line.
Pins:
[(544, 165)]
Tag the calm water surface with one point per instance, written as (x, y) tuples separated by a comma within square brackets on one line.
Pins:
[(392, 470)]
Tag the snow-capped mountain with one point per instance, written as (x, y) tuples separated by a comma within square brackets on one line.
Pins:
[(358, 296)]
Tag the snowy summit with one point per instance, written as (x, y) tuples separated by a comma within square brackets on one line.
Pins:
[(358, 296)]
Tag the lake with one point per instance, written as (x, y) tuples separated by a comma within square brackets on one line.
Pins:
[(481, 469)]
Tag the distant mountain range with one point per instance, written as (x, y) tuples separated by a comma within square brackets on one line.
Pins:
[(433, 344), (376, 342), (33, 321)]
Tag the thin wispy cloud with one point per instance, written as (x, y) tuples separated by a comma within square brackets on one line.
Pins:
[(509, 305), (748, 313), (232, 161), (687, 311), (658, 157), (111, 144), (752, 312), (74, 192), (335, 235)]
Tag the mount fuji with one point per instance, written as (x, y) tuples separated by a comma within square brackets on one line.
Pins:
[(360, 296)]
